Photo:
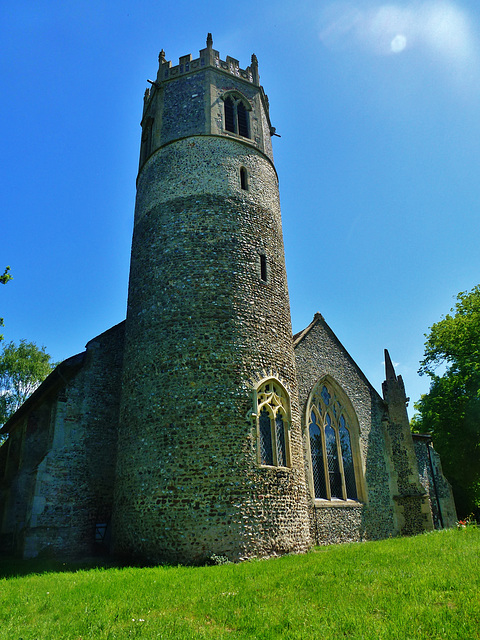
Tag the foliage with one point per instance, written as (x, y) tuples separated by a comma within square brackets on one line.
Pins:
[(22, 369), (450, 411), (4, 278), (217, 560), (360, 591)]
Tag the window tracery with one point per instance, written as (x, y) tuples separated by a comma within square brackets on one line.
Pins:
[(331, 439), (273, 421)]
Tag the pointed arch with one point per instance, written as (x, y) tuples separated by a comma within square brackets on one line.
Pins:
[(273, 419), (333, 452), (236, 114)]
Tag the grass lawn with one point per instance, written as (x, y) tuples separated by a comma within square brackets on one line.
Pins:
[(421, 587)]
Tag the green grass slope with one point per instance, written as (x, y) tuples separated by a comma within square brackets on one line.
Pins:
[(421, 587)]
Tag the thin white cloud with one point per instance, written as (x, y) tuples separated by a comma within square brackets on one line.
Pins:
[(395, 364), (440, 28)]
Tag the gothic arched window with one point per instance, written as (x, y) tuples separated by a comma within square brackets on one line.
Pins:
[(236, 115), (273, 420), (331, 439)]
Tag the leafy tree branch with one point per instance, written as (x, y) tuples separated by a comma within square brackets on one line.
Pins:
[(22, 368), (4, 278), (450, 411)]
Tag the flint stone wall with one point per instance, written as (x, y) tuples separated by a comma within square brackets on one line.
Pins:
[(62, 485), (188, 483)]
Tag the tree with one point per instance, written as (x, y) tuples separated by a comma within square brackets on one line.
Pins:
[(22, 369), (450, 411), (4, 278)]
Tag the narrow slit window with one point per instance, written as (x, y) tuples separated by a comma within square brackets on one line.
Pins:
[(243, 179), (263, 267)]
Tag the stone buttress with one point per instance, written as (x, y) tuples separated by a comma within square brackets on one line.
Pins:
[(412, 508), (208, 318)]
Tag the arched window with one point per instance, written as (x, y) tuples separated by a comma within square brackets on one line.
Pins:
[(243, 179), (236, 115), (330, 432), (273, 420)]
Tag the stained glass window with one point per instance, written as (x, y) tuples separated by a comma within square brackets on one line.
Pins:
[(332, 459), (273, 411), (330, 436)]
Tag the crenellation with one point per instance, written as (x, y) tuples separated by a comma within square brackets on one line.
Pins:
[(208, 57)]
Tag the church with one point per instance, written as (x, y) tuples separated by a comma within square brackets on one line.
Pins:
[(200, 427)]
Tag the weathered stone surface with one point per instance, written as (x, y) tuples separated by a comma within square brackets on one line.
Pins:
[(434, 483), (59, 474)]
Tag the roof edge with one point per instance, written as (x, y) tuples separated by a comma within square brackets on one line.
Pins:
[(61, 374), (298, 337), (319, 319)]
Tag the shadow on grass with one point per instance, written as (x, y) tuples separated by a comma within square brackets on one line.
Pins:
[(16, 567)]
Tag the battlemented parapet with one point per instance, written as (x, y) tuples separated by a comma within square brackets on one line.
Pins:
[(208, 57)]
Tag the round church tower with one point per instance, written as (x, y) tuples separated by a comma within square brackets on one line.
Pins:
[(210, 457)]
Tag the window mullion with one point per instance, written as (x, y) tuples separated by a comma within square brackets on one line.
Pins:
[(235, 117)]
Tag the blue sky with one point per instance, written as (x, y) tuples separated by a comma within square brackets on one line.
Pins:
[(377, 105)]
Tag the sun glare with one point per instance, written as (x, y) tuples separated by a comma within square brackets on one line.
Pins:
[(439, 28), (398, 43)]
